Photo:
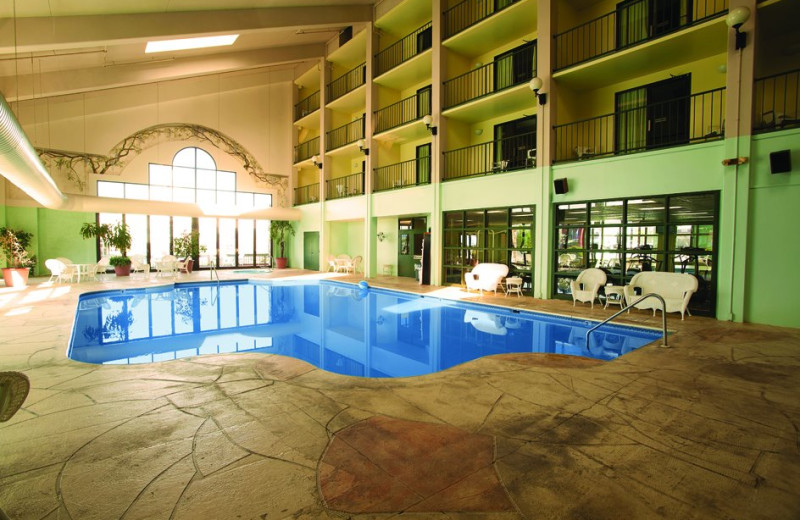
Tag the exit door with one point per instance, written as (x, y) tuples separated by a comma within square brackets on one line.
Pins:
[(311, 250)]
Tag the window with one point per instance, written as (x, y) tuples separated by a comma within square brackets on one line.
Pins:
[(674, 233), (500, 235), (192, 177)]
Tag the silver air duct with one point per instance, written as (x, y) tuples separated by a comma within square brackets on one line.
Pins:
[(20, 164)]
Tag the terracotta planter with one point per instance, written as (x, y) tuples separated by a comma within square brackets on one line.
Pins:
[(280, 262), (16, 276), (123, 270)]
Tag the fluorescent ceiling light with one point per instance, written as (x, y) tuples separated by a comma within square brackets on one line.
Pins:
[(190, 43)]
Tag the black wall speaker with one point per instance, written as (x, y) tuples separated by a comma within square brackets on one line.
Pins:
[(560, 186), (780, 162)]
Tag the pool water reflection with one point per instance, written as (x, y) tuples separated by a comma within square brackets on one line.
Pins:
[(337, 327)]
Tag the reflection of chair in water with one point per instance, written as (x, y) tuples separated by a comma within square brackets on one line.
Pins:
[(586, 285), (485, 322)]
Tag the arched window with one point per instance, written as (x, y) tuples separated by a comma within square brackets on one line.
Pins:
[(192, 177)]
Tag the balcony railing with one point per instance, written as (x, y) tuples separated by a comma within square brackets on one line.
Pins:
[(509, 71), (691, 119), (402, 175), (470, 12), (632, 24), (306, 106), (401, 51), (342, 187), (306, 194), (349, 133), (404, 111), (776, 102), (511, 153), (306, 150), (347, 82)]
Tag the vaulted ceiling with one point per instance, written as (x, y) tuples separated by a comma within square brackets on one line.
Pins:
[(51, 47)]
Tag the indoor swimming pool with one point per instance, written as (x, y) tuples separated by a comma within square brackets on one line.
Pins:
[(337, 327)]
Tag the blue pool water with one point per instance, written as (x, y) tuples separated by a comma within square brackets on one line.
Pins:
[(337, 327)]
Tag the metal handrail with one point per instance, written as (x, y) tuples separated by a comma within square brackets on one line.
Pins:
[(663, 317)]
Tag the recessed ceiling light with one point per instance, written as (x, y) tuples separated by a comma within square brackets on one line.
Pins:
[(190, 43)]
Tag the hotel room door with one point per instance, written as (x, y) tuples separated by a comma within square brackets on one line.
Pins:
[(311, 250)]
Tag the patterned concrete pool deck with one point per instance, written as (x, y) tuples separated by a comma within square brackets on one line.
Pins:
[(708, 428)]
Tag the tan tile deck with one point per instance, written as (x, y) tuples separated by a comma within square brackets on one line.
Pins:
[(708, 428)]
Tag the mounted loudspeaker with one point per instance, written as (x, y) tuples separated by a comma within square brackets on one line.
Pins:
[(560, 186), (780, 162)]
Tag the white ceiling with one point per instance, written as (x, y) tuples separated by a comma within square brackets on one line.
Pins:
[(52, 47)]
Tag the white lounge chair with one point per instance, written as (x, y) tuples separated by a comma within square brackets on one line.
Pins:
[(676, 289), (485, 277), (586, 286)]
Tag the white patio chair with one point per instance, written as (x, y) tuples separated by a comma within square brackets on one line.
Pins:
[(139, 265), (59, 271), (102, 266), (485, 277), (167, 266)]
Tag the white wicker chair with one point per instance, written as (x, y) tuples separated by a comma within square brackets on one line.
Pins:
[(586, 286), (168, 265)]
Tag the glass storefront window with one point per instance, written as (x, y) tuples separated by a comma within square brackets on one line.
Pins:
[(498, 235)]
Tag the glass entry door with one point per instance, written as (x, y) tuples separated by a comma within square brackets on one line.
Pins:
[(410, 234)]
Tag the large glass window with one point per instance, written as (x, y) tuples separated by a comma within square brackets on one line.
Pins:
[(499, 235), (623, 237), (153, 237)]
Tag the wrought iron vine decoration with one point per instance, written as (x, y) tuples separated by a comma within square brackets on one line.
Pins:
[(68, 162)]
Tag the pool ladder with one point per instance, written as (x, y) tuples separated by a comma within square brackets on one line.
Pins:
[(646, 296)]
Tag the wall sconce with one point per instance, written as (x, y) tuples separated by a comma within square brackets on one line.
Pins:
[(535, 85), (381, 236), (428, 120), (735, 19), (362, 146), (316, 161)]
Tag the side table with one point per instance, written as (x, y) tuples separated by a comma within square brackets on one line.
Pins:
[(615, 294), (514, 285)]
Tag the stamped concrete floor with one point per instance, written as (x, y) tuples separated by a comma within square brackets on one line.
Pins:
[(707, 428)]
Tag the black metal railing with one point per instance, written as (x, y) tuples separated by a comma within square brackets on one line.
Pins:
[(630, 24), (510, 153), (776, 101), (346, 134), (404, 111), (342, 187), (469, 12), (306, 194), (403, 174), (306, 106), (508, 71), (691, 119), (403, 50), (347, 82), (306, 150)]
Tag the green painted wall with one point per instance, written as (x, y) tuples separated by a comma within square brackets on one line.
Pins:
[(772, 279), (55, 233)]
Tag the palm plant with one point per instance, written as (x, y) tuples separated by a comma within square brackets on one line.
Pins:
[(116, 236), (279, 230)]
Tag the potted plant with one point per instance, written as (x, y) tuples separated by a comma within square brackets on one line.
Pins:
[(14, 250), (187, 246), (279, 230), (114, 236)]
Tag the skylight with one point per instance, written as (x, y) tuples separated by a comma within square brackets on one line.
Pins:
[(190, 43)]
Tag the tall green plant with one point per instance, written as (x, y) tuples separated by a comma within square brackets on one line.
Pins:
[(188, 245), (14, 247), (116, 236), (278, 231)]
